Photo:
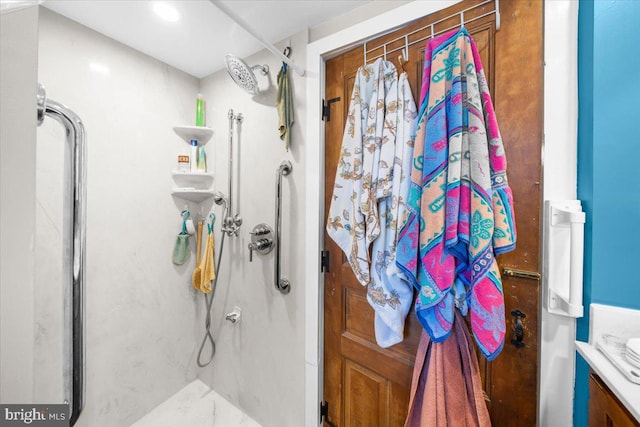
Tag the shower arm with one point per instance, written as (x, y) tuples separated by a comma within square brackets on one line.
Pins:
[(242, 23), (74, 244)]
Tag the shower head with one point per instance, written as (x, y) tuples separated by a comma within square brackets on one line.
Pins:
[(244, 75)]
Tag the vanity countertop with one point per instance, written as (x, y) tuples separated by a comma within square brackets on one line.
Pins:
[(627, 392), (620, 322)]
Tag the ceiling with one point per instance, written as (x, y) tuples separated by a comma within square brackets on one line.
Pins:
[(197, 42)]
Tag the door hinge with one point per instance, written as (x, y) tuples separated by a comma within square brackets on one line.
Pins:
[(324, 261), (326, 108), (324, 413)]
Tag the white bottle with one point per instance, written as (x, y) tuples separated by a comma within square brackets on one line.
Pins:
[(194, 156)]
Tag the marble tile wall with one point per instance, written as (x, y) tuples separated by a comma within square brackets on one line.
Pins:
[(140, 308), (144, 322), (259, 364)]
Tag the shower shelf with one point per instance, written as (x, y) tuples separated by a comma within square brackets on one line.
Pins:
[(199, 133), (197, 180), (191, 194)]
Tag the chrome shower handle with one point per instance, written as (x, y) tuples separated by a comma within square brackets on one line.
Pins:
[(261, 240), (281, 283)]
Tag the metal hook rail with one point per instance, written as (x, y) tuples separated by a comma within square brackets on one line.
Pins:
[(432, 33), (281, 283), (75, 239)]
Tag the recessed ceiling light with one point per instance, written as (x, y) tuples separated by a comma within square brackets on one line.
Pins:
[(166, 11), (99, 68)]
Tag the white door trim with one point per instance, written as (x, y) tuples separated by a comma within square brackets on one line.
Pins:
[(560, 18)]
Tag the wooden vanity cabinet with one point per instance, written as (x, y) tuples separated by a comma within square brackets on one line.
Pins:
[(605, 410)]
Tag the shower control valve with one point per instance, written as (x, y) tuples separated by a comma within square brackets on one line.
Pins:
[(261, 240), (260, 231)]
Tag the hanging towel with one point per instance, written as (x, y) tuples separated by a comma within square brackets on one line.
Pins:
[(446, 389), (285, 106), (460, 205), (353, 221), (207, 266), (389, 293)]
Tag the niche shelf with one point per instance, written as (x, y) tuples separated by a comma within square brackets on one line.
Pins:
[(199, 133)]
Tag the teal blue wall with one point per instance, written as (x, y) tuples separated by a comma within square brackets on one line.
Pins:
[(608, 162)]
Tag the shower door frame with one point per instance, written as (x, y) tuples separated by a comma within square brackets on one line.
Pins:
[(557, 354)]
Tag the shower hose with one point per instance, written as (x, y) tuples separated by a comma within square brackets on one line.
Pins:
[(208, 299)]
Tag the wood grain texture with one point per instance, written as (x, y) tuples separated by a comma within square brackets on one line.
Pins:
[(605, 410), (353, 363)]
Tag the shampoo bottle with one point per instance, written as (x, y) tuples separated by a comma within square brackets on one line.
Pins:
[(202, 160), (194, 155), (200, 110)]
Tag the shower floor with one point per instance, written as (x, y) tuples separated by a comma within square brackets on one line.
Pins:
[(196, 405)]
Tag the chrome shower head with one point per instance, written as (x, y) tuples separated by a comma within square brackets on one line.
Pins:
[(244, 75)]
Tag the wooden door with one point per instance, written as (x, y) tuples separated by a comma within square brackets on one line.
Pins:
[(366, 385)]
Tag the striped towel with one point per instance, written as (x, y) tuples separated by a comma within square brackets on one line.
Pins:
[(460, 205)]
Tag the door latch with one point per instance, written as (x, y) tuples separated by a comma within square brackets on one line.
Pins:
[(519, 329), (324, 414)]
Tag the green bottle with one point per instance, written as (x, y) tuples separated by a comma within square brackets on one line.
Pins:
[(200, 110)]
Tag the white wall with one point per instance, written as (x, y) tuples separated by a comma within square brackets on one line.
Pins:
[(18, 65), (353, 17), (557, 333), (140, 308), (259, 364)]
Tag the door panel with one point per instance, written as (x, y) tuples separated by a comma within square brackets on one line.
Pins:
[(364, 384)]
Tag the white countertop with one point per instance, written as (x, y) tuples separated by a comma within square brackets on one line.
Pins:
[(627, 392)]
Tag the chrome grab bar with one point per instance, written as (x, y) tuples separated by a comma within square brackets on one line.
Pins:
[(282, 284), (75, 239)]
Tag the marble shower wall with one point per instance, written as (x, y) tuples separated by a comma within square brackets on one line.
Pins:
[(144, 321), (140, 308), (259, 364)]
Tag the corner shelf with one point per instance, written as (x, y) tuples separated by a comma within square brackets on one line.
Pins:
[(200, 133), (193, 186), (192, 194), (196, 180)]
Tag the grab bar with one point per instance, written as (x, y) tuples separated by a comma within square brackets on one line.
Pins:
[(74, 244), (282, 284), (563, 257)]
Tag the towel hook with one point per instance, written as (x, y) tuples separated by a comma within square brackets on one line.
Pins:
[(287, 51), (402, 63), (405, 52)]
